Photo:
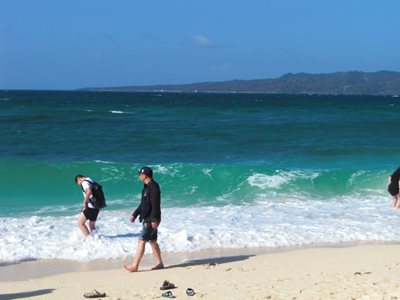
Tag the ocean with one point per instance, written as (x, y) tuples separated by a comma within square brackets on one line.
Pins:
[(235, 170)]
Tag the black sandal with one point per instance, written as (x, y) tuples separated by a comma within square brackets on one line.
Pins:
[(167, 285), (168, 295)]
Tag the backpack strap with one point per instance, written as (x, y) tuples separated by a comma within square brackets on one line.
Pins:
[(91, 184)]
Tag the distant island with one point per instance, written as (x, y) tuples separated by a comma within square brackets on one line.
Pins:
[(339, 83)]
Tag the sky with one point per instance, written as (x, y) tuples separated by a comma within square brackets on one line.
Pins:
[(62, 45)]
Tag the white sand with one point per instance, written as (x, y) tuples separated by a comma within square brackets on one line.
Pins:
[(363, 272)]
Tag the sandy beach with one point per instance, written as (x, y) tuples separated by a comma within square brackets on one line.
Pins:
[(361, 272)]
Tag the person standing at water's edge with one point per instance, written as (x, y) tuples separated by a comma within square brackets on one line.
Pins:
[(393, 188), (149, 211), (89, 212)]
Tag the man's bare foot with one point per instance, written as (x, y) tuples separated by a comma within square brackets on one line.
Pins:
[(158, 267), (130, 268)]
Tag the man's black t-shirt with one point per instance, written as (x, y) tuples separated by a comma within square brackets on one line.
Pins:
[(150, 205)]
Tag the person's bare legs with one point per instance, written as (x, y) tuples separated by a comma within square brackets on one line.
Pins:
[(92, 225), (134, 267), (157, 255), (396, 201), (81, 223)]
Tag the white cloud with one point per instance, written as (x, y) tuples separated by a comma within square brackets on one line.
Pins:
[(202, 41)]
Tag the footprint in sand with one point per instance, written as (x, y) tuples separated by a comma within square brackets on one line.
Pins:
[(364, 273)]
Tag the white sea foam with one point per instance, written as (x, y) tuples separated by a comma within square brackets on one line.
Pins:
[(355, 176), (104, 162), (162, 169), (267, 181), (289, 222), (274, 181), (207, 171), (119, 112)]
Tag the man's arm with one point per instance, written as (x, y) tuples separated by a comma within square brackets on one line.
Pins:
[(88, 193), (135, 213), (155, 206)]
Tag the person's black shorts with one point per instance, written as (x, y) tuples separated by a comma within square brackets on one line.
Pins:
[(148, 234), (91, 213), (393, 188)]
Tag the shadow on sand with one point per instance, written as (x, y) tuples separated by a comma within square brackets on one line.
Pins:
[(211, 261), (10, 263), (25, 294)]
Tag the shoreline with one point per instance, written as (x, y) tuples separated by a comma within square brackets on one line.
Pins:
[(34, 269), (359, 272)]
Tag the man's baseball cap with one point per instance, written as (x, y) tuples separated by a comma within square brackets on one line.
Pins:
[(146, 171)]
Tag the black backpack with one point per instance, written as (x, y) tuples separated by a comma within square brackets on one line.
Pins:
[(98, 200)]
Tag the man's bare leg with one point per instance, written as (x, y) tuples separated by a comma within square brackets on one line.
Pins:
[(92, 225), (157, 255), (134, 267), (81, 223)]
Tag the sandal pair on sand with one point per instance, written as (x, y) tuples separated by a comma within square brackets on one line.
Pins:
[(169, 286), (94, 294)]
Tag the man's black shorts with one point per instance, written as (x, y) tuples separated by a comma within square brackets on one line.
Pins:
[(393, 188), (148, 234), (91, 213)]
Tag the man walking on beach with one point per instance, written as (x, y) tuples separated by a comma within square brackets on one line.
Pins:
[(150, 214), (89, 212)]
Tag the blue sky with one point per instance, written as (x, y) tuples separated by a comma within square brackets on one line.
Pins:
[(48, 44)]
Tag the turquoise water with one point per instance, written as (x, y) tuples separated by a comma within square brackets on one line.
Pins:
[(206, 149), (235, 170)]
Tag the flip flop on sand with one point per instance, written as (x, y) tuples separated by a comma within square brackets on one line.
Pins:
[(94, 294), (167, 285), (190, 292), (168, 295)]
